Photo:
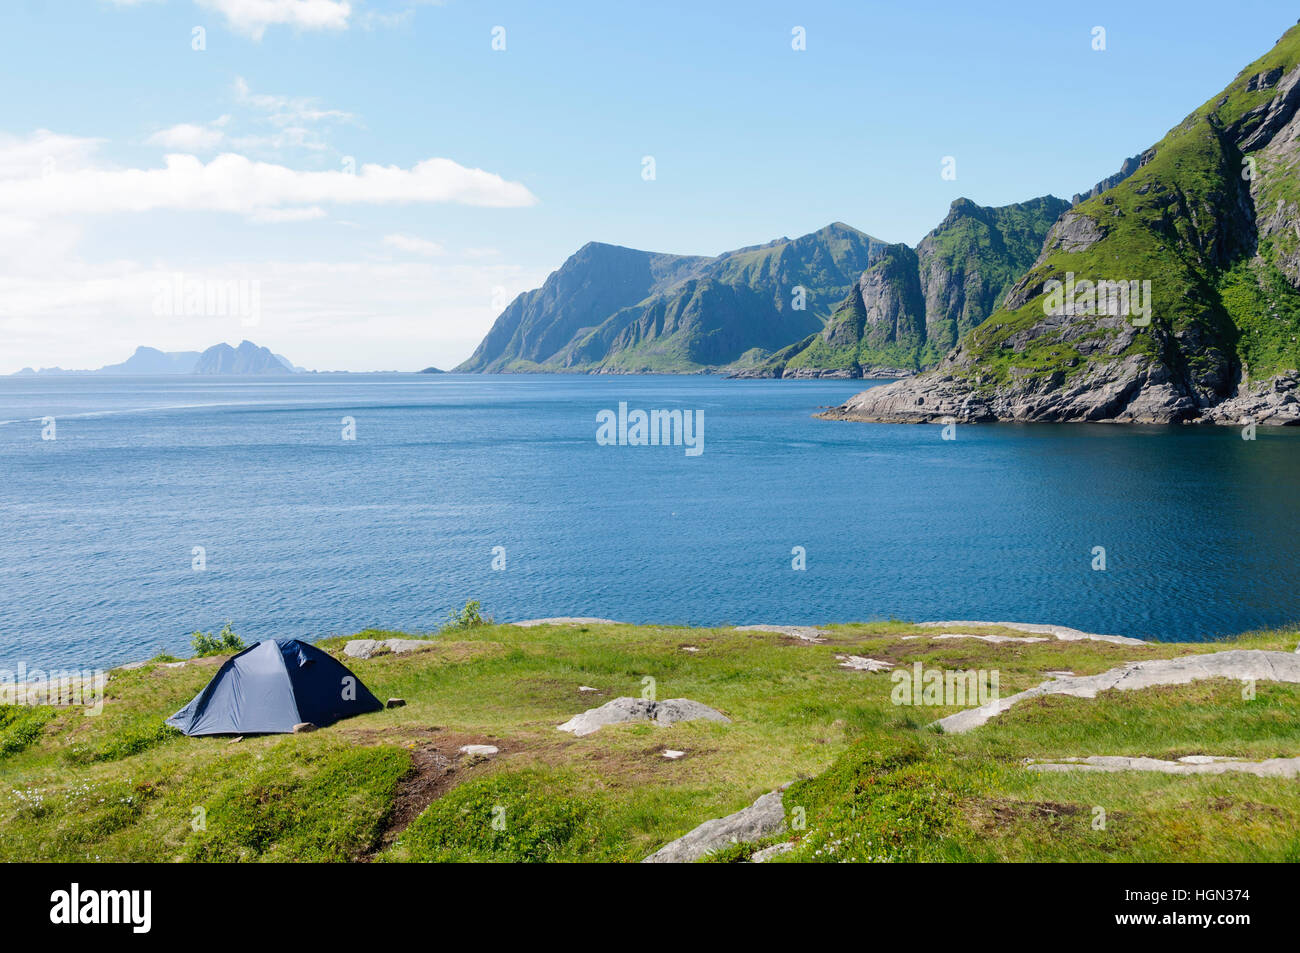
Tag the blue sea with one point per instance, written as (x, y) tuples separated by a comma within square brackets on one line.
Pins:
[(306, 534)]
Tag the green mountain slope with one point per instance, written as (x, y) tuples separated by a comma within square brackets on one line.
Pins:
[(910, 307), (1211, 220), (617, 310)]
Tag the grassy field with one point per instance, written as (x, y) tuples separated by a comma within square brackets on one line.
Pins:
[(873, 781)]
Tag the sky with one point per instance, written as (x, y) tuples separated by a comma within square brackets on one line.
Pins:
[(364, 185)]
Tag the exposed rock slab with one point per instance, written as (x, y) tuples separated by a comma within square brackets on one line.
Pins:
[(368, 648), (1243, 664), (627, 709), (1061, 633), (767, 853), (765, 816), (565, 620), (859, 663), (995, 639), (1194, 764), (401, 646), (808, 633)]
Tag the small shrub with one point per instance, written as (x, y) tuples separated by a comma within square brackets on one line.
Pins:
[(470, 617), (223, 643), (20, 726)]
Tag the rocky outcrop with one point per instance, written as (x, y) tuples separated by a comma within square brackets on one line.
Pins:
[(860, 663), (1243, 664), (1192, 764), (1061, 633), (1270, 402), (565, 620), (764, 817), (369, 648), (622, 710), (806, 633), (1127, 168)]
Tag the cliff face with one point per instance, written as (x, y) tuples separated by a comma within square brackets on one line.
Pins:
[(609, 309), (910, 307), (1171, 296)]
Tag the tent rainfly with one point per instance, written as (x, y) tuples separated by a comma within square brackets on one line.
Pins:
[(271, 687)]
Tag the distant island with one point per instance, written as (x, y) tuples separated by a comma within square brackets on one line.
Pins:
[(247, 360)]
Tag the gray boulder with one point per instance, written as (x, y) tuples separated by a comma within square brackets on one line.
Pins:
[(361, 648), (765, 816), (627, 709), (368, 648)]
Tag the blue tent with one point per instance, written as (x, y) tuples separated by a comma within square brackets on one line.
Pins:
[(272, 686)]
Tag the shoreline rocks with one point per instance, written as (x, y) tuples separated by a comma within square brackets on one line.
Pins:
[(565, 620), (808, 633), (1062, 633)]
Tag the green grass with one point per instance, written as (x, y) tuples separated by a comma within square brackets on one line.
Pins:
[(873, 782), (524, 816)]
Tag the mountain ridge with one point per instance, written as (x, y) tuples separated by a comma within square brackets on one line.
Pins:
[(786, 307), (611, 309)]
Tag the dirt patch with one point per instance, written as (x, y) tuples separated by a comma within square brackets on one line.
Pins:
[(436, 767), (1000, 813), (1222, 804)]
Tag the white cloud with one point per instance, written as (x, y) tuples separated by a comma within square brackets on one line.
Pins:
[(188, 137), (34, 183), (44, 153), (252, 17), (287, 110), (413, 244), (275, 216)]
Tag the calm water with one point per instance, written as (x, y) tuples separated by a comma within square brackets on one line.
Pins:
[(309, 535)]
